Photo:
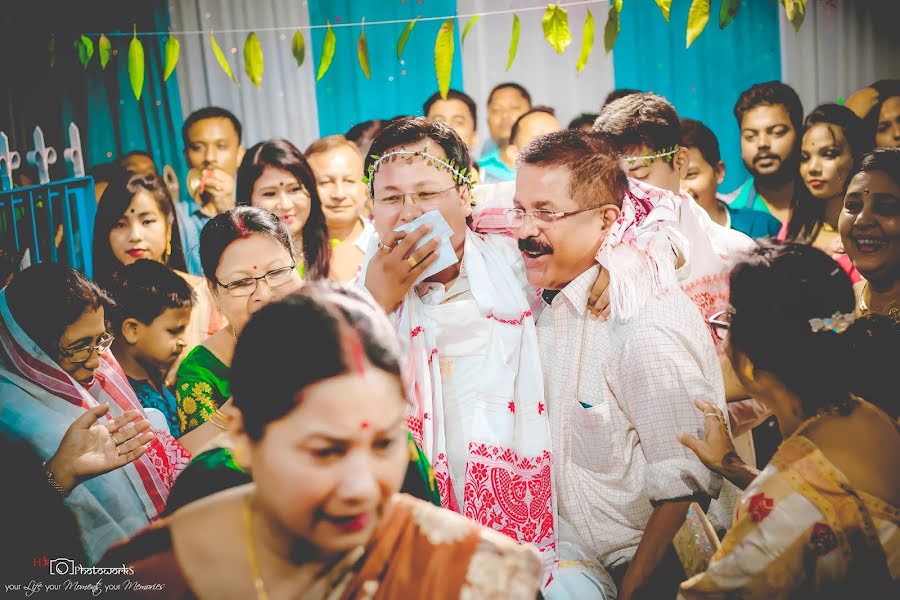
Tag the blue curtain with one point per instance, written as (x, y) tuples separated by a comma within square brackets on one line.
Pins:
[(102, 103), (397, 87), (703, 82)]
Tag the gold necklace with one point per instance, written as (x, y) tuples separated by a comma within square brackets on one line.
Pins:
[(893, 312), (258, 583)]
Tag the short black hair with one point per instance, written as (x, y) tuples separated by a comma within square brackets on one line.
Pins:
[(103, 171), (301, 340), (619, 93), (640, 119), (453, 95), (48, 297), (209, 112), (582, 120), (695, 134), (886, 160), (510, 84), (360, 129), (886, 88), (771, 93), (597, 176), (144, 290), (415, 129), (514, 130)]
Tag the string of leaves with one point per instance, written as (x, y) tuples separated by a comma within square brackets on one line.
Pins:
[(555, 25)]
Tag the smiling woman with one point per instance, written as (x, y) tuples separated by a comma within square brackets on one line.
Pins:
[(327, 449)]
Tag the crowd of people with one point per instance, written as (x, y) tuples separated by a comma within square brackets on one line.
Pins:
[(384, 367)]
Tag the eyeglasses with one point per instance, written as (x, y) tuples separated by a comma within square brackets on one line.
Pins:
[(83, 354), (423, 199), (721, 322), (274, 278), (515, 217)]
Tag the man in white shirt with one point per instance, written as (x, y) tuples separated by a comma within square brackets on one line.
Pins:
[(618, 391)]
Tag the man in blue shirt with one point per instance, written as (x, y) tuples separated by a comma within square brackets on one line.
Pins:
[(705, 172), (506, 103), (212, 145)]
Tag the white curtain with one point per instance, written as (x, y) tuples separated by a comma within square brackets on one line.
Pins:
[(550, 78), (285, 103), (843, 45)]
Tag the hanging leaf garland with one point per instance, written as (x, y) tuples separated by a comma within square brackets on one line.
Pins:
[(665, 6), (795, 11), (172, 50), (727, 11), (298, 48), (362, 52), (468, 26), (611, 30), (254, 63), (698, 17), (404, 37), (327, 52), (443, 56), (513, 42), (136, 65), (104, 49), (587, 41), (85, 47), (220, 58), (556, 28)]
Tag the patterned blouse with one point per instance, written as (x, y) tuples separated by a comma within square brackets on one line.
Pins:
[(202, 386)]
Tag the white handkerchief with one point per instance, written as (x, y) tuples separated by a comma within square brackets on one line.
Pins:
[(440, 229)]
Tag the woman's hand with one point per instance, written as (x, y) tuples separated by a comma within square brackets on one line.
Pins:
[(598, 301), (89, 448), (396, 266), (716, 443)]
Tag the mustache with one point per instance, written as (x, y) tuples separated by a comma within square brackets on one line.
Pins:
[(760, 157), (534, 246)]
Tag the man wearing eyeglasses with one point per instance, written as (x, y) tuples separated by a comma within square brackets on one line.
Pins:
[(617, 391), (477, 403)]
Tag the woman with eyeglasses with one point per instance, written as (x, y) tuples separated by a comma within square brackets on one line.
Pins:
[(275, 176), (66, 396), (249, 260), (821, 520)]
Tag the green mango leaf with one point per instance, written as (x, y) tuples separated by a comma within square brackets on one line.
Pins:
[(587, 41), (173, 47), (443, 56), (611, 30), (698, 17), (468, 26), (85, 47), (298, 48), (795, 11), (362, 53), (327, 52), (556, 28), (254, 63), (514, 41), (136, 65), (51, 50), (404, 37), (727, 11), (220, 58), (664, 6), (104, 48)]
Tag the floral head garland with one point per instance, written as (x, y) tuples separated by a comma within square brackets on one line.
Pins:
[(838, 323), (462, 176), (666, 154)]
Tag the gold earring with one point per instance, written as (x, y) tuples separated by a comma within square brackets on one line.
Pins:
[(168, 247)]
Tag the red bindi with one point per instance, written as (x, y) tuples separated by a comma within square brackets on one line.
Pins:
[(364, 425), (254, 267)]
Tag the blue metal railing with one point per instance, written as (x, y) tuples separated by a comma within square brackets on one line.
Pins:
[(52, 221)]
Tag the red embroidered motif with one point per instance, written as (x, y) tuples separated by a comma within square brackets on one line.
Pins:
[(415, 332), (414, 425), (823, 539), (518, 321), (710, 294), (511, 406), (540, 408), (760, 507), (510, 493), (431, 356), (445, 483)]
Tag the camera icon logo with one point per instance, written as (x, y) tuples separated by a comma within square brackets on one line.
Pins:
[(62, 566)]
